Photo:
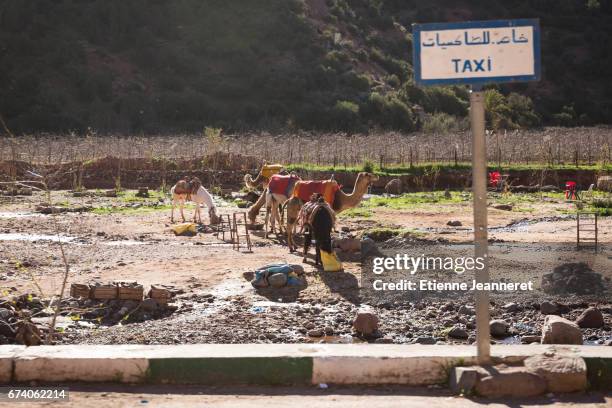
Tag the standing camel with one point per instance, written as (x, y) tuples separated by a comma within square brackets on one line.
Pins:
[(263, 177), (192, 190), (279, 189), (342, 202)]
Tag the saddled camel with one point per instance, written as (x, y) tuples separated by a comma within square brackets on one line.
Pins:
[(341, 202), (278, 191), (192, 190), (263, 177)]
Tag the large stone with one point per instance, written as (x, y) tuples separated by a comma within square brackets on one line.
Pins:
[(557, 330), (458, 333), (278, 280), (528, 339), (562, 372), (366, 321), (590, 318), (463, 380), (467, 310), (511, 307), (498, 328), (549, 308), (425, 340), (510, 382)]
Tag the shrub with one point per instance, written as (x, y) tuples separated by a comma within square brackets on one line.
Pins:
[(368, 166), (441, 123)]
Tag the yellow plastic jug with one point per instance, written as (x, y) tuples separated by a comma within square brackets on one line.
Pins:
[(330, 261), (187, 228)]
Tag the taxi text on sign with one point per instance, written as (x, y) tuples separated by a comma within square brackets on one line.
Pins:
[(476, 52)]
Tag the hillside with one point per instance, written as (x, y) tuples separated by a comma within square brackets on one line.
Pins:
[(154, 66)]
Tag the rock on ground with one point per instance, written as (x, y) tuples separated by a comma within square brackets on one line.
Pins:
[(458, 333), (590, 318), (557, 330), (548, 308), (463, 380), (511, 307), (528, 339), (510, 382), (366, 321), (562, 372), (499, 328)]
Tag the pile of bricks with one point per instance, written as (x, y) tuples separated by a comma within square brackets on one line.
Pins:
[(122, 290)]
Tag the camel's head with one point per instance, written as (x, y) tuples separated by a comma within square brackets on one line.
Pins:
[(214, 218), (366, 178)]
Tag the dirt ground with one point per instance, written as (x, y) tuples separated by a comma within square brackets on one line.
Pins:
[(94, 396), (130, 239)]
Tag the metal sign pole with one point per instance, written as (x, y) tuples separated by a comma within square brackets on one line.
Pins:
[(479, 192)]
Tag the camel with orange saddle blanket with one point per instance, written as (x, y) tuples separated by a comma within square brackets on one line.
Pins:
[(331, 192)]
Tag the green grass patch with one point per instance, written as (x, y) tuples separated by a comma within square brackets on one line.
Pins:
[(357, 213), (129, 196), (410, 200), (131, 210)]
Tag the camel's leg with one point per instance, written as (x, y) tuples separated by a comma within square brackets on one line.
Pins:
[(318, 253), (307, 242), (172, 211), (276, 217), (196, 212), (293, 209), (267, 219), (254, 210), (181, 205)]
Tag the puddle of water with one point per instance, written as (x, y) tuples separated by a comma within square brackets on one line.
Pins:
[(230, 287), (17, 236), (509, 340)]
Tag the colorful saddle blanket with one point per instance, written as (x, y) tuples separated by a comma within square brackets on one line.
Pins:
[(327, 188), (268, 170), (282, 184)]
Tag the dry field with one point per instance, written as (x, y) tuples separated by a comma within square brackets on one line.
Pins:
[(551, 146)]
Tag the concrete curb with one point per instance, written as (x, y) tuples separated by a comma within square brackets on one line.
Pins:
[(269, 364)]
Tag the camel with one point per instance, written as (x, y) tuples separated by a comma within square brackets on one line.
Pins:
[(192, 190), (342, 202), (263, 177), (275, 200), (320, 222)]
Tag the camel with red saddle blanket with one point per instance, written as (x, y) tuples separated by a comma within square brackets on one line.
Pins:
[(263, 177), (279, 190)]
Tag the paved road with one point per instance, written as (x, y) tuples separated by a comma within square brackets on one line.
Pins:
[(87, 396)]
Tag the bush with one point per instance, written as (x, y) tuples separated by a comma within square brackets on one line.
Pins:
[(442, 99), (442, 123), (345, 116), (368, 166)]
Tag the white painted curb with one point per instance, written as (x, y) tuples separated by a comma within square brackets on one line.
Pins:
[(320, 363)]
